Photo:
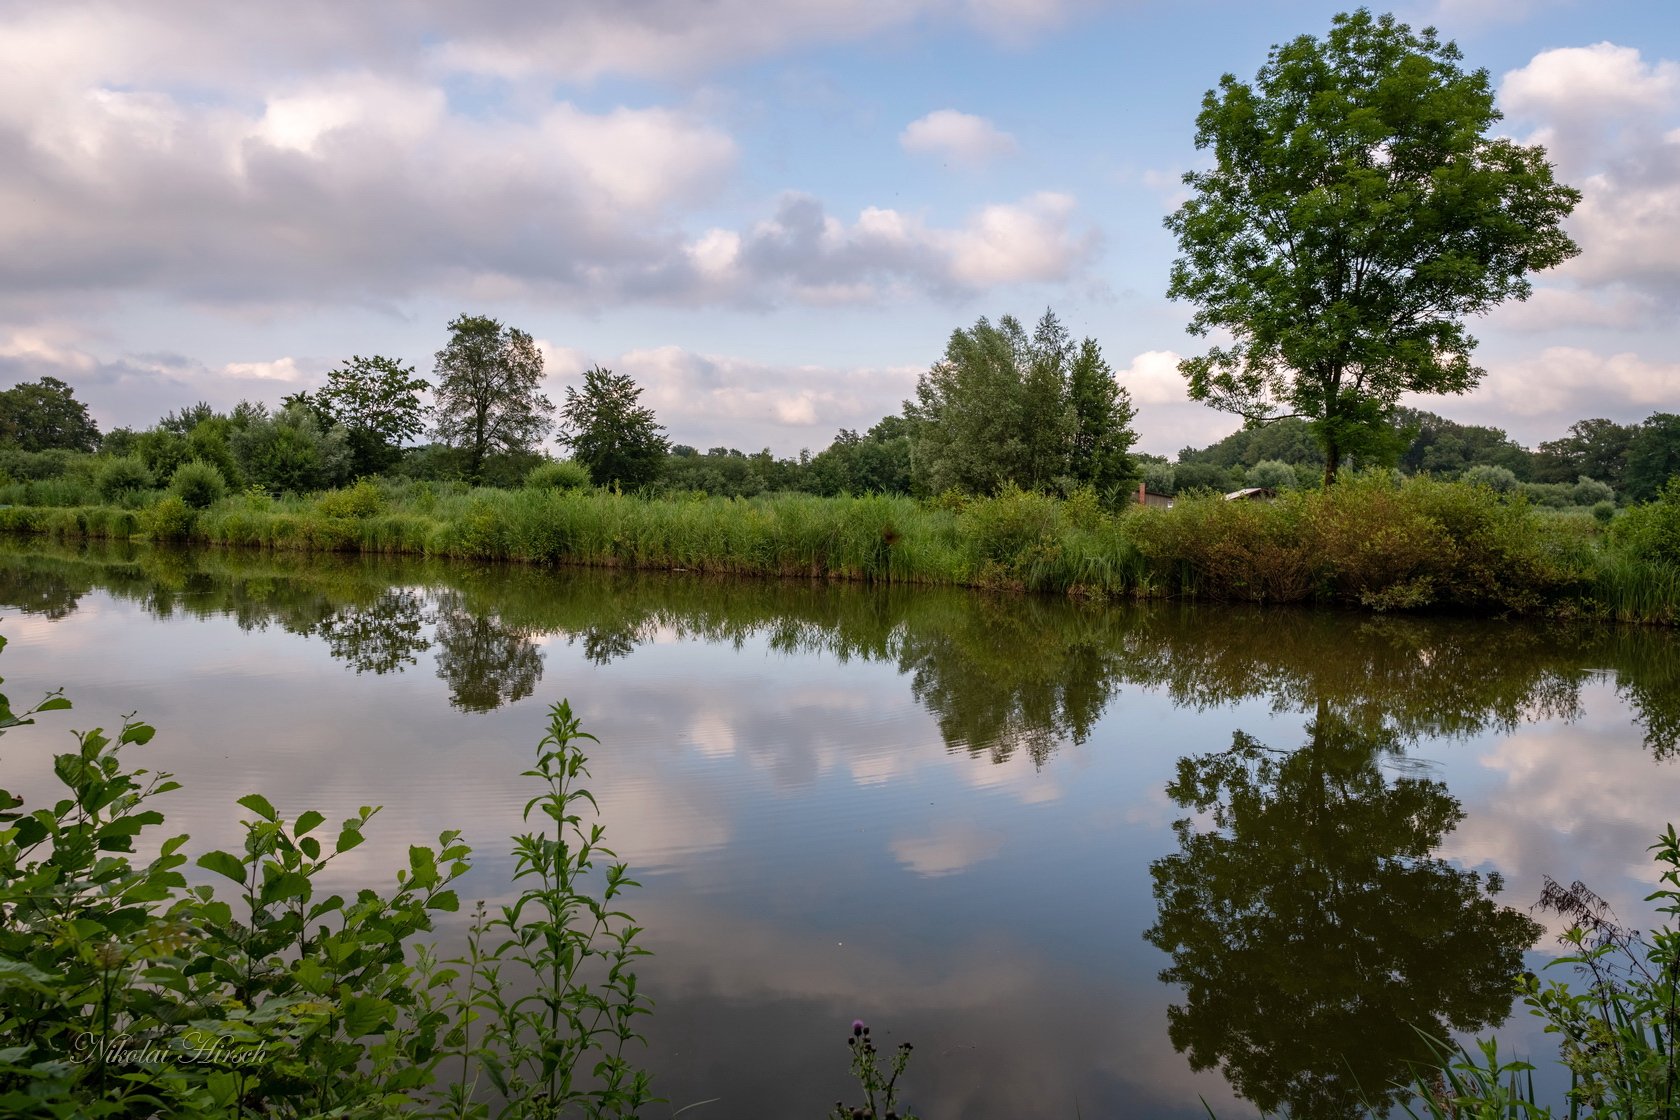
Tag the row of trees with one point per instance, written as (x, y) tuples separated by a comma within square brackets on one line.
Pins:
[(1633, 460)]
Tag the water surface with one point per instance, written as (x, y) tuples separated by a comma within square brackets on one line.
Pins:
[(1091, 860)]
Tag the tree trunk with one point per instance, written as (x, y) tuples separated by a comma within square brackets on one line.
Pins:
[(1332, 463)]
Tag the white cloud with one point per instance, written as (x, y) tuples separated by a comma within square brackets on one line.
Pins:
[(716, 400), (816, 258), (1608, 118), (1564, 383), (1167, 419), (962, 138)]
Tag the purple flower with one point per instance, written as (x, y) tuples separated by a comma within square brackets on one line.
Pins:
[(857, 1027)]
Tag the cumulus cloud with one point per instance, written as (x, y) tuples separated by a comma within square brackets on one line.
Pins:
[(135, 389), (1537, 397), (1167, 419), (962, 138), (1610, 120), (715, 400), (181, 40), (819, 259)]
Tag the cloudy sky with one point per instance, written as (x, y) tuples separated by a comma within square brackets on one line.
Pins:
[(771, 214)]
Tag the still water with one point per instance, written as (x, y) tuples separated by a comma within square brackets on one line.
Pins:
[(1092, 860)]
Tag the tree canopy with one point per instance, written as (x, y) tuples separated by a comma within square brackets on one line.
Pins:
[(1357, 212), (378, 401), (1037, 411), (487, 396), (609, 431), (45, 414)]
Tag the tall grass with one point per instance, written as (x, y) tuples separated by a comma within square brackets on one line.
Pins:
[(1374, 541)]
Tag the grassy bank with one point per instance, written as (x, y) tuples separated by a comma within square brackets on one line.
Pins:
[(1373, 541)]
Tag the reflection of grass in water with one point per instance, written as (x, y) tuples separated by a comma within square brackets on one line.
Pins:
[(1000, 672)]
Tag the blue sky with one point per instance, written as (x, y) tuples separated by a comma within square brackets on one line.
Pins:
[(771, 214)]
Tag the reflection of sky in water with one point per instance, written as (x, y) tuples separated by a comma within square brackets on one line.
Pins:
[(810, 849)]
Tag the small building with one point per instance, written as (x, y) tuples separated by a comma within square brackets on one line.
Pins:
[(1252, 494), (1147, 497)]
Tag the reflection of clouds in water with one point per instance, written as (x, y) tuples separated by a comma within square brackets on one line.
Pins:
[(1576, 802), (950, 847)]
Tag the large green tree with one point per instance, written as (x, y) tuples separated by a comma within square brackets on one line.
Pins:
[(610, 431), (487, 396), (1358, 210), (1039, 411), (45, 414), (378, 401), (1653, 456)]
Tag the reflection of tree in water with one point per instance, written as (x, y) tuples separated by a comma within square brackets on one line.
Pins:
[(382, 637), (52, 594), (1312, 929), (485, 662), (999, 681)]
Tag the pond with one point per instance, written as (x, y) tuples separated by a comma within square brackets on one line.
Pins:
[(1091, 860)]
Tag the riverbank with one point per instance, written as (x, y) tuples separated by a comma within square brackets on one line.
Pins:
[(1373, 541)]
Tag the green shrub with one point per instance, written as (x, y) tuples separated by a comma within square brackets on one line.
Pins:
[(558, 474), (122, 476), (1604, 512), (359, 501), (198, 484), (1498, 479), (168, 519)]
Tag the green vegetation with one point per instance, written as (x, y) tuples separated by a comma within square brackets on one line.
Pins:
[(1378, 541), (1038, 413), (126, 990), (1357, 212), (615, 438), (1619, 1036), (486, 398), (44, 415)]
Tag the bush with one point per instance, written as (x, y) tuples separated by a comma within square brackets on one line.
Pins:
[(1273, 474), (170, 519), (1498, 479), (1604, 512), (1589, 492), (198, 484), (559, 474), (359, 501), (122, 476)]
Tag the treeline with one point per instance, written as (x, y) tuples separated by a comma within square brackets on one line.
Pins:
[(1597, 460), (1003, 408)]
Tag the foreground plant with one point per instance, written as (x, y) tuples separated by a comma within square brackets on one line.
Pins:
[(1618, 1035), (126, 992), (879, 1086)]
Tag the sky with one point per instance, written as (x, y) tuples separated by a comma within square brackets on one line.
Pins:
[(771, 215)]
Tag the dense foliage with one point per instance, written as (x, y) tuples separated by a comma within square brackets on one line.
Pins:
[(486, 397), (1358, 210), (126, 990), (1007, 408), (45, 414), (613, 436)]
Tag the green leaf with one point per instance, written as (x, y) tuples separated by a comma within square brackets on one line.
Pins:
[(140, 733), (223, 864), (306, 822), (348, 839), (53, 704), (446, 901), (259, 805)]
